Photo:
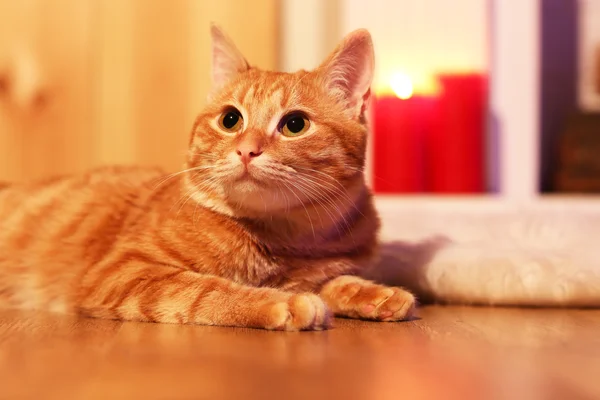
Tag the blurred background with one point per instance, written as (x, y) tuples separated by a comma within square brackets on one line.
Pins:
[(477, 97)]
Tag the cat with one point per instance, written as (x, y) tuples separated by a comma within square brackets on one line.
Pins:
[(268, 226)]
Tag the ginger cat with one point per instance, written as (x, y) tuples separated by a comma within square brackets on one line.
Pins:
[(268, 226)]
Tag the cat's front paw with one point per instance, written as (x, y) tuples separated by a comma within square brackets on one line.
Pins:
[(354, 297), (384, 303), (299, 312)]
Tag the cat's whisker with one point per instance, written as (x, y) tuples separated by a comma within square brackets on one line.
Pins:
[(287, 200), (331, 189), (263, 201), (322, 205), (311, 192), (290, 188), (173, 175), (323, 178), (312, 203), (311, 188), (342, 192), (333, 202), (326, 175), (335, 198), (185, 198), (206, 184), (330, 204)]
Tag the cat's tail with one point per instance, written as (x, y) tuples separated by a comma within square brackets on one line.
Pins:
[(438, 270)]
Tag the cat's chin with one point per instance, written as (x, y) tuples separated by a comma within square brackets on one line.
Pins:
[(258, 198), (247, 185)]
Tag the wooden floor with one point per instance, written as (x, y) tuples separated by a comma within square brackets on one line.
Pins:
[(449, 353)]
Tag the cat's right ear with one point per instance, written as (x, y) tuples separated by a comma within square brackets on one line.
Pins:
[(227, 60), (348, 72)]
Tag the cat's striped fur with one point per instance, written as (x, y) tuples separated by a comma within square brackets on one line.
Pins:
[(272, 243)]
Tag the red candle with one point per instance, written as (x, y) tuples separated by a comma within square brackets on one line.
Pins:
[(400, 130), (456, 145)]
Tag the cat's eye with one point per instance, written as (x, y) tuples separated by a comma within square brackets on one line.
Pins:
[(231, 120), (294, 125)]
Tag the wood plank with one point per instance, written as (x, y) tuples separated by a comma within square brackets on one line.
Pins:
[(449, 353), (45, 96)]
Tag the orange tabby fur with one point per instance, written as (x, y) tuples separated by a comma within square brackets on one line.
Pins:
[(272, 245)]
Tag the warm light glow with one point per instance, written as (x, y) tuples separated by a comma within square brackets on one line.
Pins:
[(401, 85), (405, 85)]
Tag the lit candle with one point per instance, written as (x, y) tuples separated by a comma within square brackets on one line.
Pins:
[(456, 146), (402, 122)]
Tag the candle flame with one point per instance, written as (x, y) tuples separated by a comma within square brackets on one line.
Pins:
[(401, 86)]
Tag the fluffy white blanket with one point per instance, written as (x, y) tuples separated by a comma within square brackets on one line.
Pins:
[(493, 255)]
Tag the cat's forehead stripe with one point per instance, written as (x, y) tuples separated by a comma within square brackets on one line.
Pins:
[(261, 99), (248, 96), (277, 97), (268, 96)]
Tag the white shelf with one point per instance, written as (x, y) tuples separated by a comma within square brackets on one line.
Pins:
[(387, 204)]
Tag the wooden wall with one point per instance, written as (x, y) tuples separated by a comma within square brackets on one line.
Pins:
[(92, 82)]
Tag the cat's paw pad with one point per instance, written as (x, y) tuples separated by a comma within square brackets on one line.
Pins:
[(362, 299), (385, 303), (300, 312)]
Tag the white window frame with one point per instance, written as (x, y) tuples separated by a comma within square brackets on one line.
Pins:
[(514, 102)]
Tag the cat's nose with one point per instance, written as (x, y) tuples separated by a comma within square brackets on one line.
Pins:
[(248, 150)]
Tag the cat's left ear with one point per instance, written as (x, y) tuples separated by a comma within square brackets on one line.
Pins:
[(227, 60), (348, 71)]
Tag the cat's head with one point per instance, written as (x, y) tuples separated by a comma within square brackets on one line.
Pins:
[(271, 141)]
